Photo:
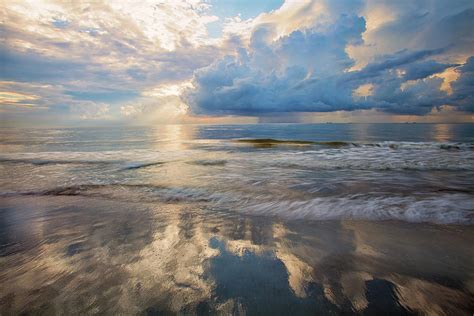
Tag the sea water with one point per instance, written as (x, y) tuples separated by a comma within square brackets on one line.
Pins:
[(266, 218)]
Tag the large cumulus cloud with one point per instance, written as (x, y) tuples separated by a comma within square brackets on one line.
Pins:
[(310, 70), (298, 72)]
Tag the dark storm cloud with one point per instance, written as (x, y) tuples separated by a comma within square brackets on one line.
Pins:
[(425, 69), (463, 88)]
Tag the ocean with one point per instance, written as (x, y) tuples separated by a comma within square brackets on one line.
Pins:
[(238, 219)]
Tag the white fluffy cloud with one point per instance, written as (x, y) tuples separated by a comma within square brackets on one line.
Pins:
[(101, 54)]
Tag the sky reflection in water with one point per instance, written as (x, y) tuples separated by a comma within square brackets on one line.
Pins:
[(74, 255)]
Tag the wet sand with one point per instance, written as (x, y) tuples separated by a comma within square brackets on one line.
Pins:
[(82, 255)]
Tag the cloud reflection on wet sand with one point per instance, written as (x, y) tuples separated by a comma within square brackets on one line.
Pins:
[(70, 255)]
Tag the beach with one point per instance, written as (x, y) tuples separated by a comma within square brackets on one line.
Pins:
[(74, 255), (331, 219)]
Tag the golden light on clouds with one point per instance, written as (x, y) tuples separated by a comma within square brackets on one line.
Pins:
[(445, 113), (449, 75), (15, 97), (364, 90), (11, 98), (175, 89), (377, 14)]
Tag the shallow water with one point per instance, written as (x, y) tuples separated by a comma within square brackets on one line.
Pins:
[(302, 219)]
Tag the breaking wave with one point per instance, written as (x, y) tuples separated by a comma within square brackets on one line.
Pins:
[(209, 162), (456, 208), (270, 142), (440, 207), (133, 166), (233, 176)]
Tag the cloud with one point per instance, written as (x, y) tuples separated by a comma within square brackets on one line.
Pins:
[(280, 76), (115, 60), (148, 110), (311, 69), (33, 96), (463, 88), (424, 69), (101, 53), (416, 25), (16, 99), (310, 74)]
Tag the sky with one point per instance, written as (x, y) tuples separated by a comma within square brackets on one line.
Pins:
[(136, 62)]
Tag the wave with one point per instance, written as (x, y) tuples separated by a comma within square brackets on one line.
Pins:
[(270, 142), (133, 166), (443, 206), (456, 208), (123, 159), (418, 145), (42, 162), (381, 166), (371, 159), (209, 162), (123, 192)]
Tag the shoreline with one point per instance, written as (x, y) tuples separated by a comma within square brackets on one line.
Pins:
[(210, 260)]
